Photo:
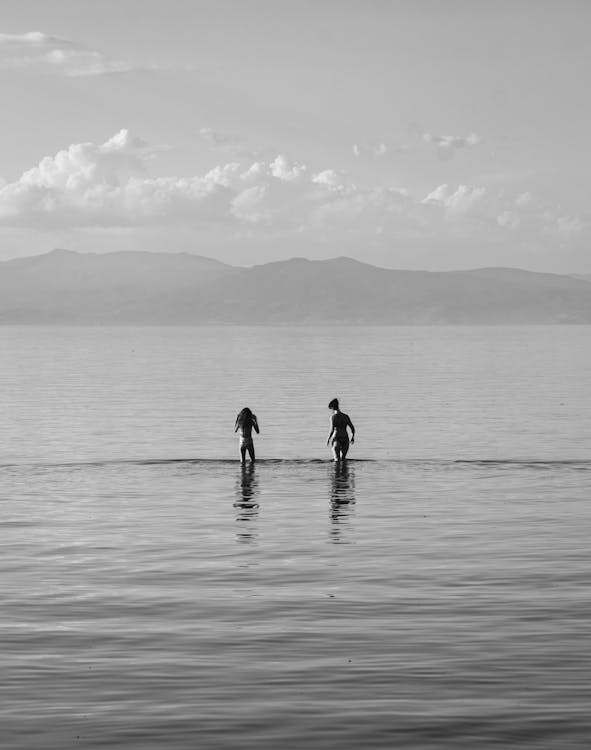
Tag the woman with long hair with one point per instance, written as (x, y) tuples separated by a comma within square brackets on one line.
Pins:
[(246, 421)]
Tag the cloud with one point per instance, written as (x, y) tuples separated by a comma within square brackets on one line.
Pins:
[(567, 226), (52, 54), (79, 185), (508, 219), (109, 185), (485, 211), (374, 151), (329, 177), (447, 145), (461, 200), (30, 39)]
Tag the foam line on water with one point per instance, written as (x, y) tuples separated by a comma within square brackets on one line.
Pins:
[(507, 463)]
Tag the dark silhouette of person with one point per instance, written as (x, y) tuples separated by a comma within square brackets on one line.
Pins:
[(338, 436), (246, 421)]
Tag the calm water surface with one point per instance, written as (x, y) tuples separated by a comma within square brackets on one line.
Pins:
[(432, 593)]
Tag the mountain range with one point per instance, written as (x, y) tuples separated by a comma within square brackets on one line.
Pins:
[(65, 287)]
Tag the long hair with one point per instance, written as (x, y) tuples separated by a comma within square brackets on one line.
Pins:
[(244, 416)]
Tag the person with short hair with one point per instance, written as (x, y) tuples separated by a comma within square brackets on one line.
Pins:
[(246, 421), (339, 437)]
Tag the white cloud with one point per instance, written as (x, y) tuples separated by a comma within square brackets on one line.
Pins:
[(51, 54), (447, 145), (105, 185), (101, 185), (249, 205), (85, 63), (287, 172), (461, 200), (329, 177)]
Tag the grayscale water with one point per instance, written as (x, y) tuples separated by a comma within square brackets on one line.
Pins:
[(431, 593)]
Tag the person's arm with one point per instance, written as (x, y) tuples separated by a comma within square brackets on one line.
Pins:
[(255, 424), (236, 425), (331, 430), (352, 428)]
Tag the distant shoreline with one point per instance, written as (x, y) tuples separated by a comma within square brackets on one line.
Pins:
[(291, 325), (166, 289)]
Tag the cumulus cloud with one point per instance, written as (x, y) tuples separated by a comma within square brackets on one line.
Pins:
[(455, 201), (527, 214), (486, 210), (79, 185), (44, 52), (287, 172), (105, 185), (447, 145), (108, 185)]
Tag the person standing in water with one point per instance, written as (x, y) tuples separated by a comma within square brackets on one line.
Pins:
[(339, 437), (245, 422)]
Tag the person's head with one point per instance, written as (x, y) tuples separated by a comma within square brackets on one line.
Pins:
[(243, 415), (334, 404)]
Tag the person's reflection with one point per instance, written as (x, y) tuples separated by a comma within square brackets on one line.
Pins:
[(342, 500), (247, 508)]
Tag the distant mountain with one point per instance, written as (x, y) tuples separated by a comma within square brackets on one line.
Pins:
[(68, 287), (160, 288), (584, 276)]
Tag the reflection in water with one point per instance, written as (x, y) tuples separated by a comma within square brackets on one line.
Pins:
[(247, 508), (342, 500)]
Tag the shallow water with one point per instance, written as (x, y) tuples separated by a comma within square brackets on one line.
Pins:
[(155, 596)]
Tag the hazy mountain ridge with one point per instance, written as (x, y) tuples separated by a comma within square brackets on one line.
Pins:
[(65, 286), (161, 288)]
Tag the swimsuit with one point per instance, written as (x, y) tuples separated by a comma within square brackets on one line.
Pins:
[(341, 441)]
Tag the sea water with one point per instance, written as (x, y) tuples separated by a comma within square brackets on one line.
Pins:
[(430, 593)]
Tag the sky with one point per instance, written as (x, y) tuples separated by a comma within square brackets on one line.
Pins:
[(427, 134)]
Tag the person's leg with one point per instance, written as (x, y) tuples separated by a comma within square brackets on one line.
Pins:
[(242, 453), (344, 450), (336, 450), (251, 450)]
